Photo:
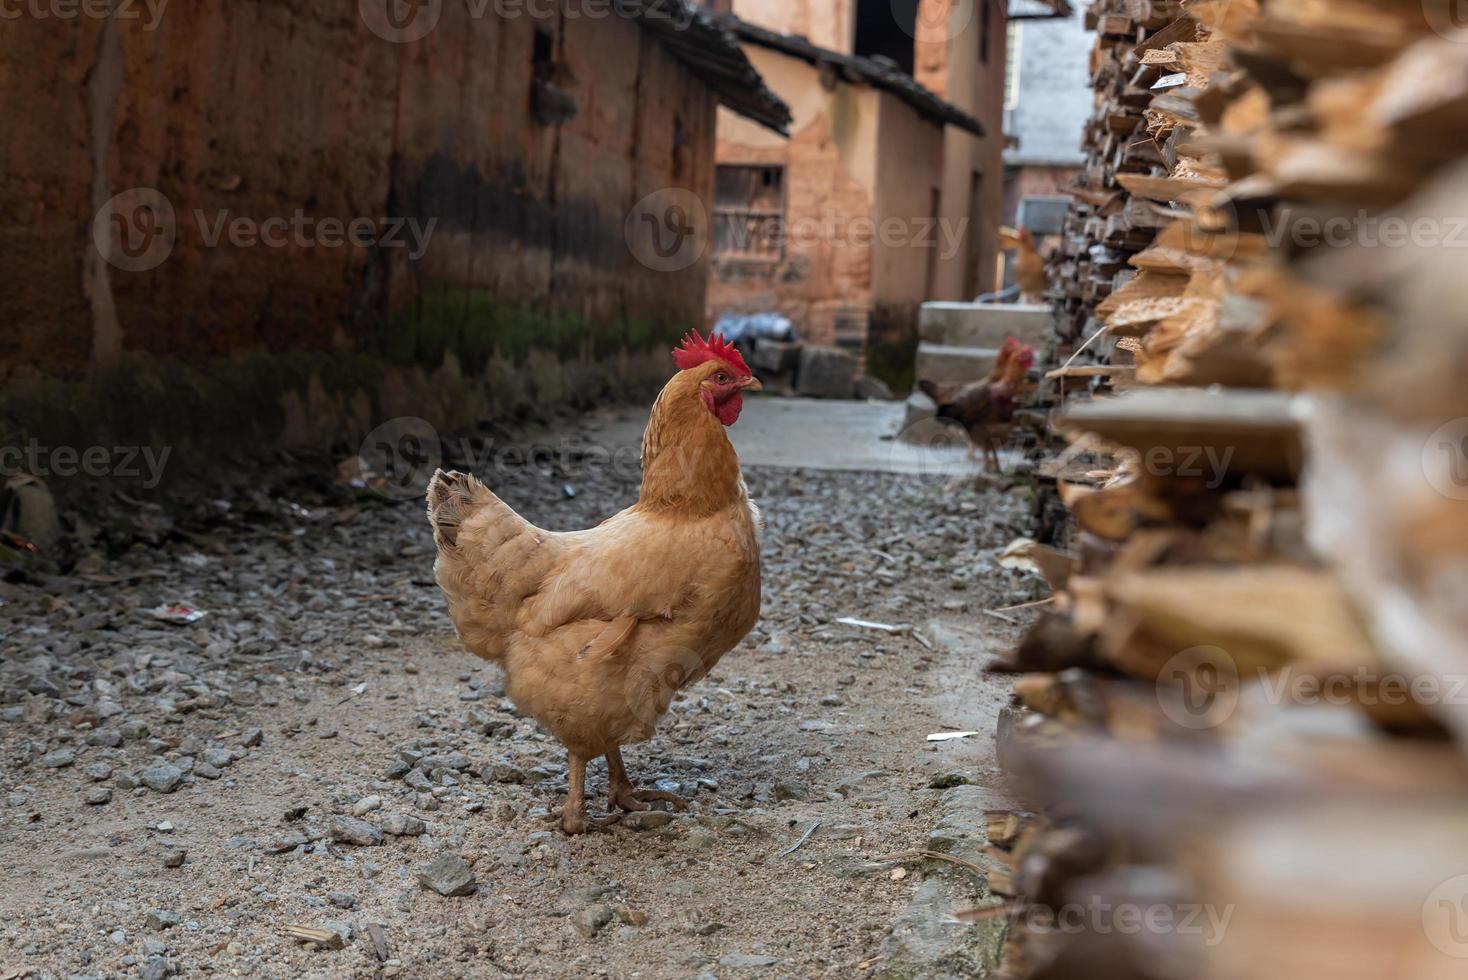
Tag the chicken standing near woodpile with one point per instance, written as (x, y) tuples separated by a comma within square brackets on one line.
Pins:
[(597, 630), (1029, 270), (986, 408)]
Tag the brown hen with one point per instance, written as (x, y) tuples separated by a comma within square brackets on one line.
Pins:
[(597, 630)]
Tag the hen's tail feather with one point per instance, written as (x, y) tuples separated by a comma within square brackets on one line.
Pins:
[(452, 498)]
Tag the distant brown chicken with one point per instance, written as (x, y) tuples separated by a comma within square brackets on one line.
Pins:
[(986, 408), (1029, 269)]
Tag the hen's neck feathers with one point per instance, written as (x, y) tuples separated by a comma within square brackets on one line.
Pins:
[(688, 464)]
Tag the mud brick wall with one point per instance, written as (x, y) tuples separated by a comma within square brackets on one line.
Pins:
[(268, 109)]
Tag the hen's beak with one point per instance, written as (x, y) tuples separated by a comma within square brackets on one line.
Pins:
[(751, 383)]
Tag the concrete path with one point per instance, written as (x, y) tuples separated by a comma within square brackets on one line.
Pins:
[(815, 434)]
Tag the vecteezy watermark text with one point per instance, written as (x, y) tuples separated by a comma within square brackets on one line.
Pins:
[(1201, 687), (301, 230), (149, 12), (138, 229), (1100, 917), (1366, 230), (122, 462), (405, 21), (672, 229)]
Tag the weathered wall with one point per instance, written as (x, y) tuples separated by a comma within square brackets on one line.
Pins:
[(1055, 95), (909, 176), (912, 243), (265, 109), (949, 63), (825, 282), (829, 24)]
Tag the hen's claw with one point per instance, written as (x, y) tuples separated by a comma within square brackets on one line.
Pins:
[(637, 800), (574, 823)]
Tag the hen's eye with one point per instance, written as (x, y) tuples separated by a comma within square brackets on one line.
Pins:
[(723, 378)]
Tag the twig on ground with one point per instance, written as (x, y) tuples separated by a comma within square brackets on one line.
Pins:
[(814, 826)]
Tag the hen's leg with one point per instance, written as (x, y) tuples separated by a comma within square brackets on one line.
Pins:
[(620, 792), (573, 814)]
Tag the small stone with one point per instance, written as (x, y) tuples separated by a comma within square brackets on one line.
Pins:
[(107, 738), (160, 919), (341, 900), (366, 805), (156, 968), (349, 830), (503, 772), (97, 771), (134, 729), (59, 759), (647, 820), (418, 780), (788, 790), (403, 825), (747, 961), (205, 771), (341, 933), (174, 857), (591, 920), (448, 875), (631, 917), (163, 778), (99, 795), (44, 686), (218, 758), (251, 738)]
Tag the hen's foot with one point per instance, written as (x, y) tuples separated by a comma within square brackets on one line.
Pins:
[(577, 821), (636, 800)]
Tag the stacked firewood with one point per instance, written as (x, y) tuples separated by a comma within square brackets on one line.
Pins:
[(1243, 716)]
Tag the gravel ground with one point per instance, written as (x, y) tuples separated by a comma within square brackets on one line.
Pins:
[(319, 752)]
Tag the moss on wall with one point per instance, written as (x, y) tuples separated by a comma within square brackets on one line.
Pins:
[(475, 326), (455, 359), (892, 343)]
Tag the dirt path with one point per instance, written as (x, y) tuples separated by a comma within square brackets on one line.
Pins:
[(324, 635)]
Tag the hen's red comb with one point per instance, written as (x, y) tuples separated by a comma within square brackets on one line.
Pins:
[(696, 350)]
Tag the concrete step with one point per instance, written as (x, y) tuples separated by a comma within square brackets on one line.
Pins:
[(985, 325), (946, 364)]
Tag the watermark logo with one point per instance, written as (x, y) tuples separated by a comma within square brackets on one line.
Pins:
[(668, 231), (939, 448), (1199, 687), (1447, 18), (142, 463), (653, 681), (400, 21), (1445, 459), (1445, 917), (405, 21), (150, 12), (135, 231), (936, 22), (399, 456), (1101, 917)]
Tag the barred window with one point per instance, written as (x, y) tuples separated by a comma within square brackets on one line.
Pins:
[(749, 212)]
